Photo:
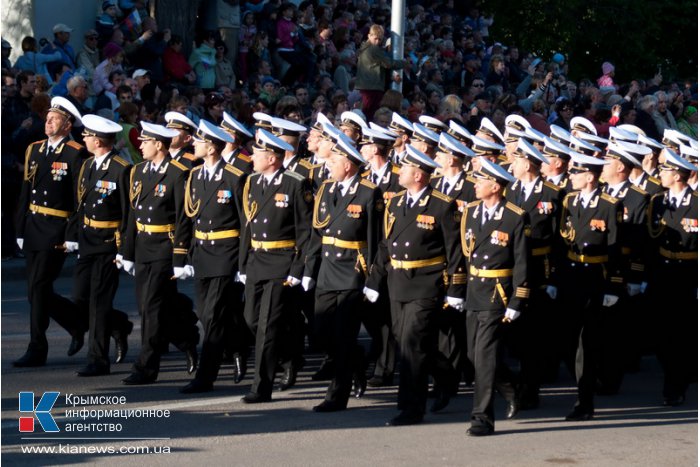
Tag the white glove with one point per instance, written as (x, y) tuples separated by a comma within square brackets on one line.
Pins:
[(179, 273), (293, 281), (129, 267), (634, 289), (372, 295), (118, 261), (20, 243), (552, 292), (240, 277), (643, 287), (189, 271), (610, 300), (456, 303), (307, 283), (512, 314), (71, 247)]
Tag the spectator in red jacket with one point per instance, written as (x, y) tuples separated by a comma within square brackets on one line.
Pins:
[(175, 63)]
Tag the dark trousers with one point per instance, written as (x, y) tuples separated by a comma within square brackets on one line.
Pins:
[(213, 294), (376, 318), (415, 328), (293, 338), (43, 268), (163, 317), (675, 327), (485, 350), (269, 305), (238, 337), (337, 323), (582, 308), (95, 284), (452, 343)]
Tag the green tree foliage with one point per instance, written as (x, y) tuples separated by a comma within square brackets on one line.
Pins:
[(636, 36)]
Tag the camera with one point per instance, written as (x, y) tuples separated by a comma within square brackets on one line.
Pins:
[(43, 42)]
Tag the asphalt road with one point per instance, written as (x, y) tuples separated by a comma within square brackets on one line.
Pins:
[(631, 428)]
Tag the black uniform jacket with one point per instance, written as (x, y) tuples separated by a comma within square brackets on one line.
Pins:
[(592, 234), (47, 203), (300, 166), (462, 192), (674, 232), (633, 232), (103, 209), (497, 255), (651, 185), (389, 184), (158, 227), (278, 226), (543, 207), (186, 158), (346, 233), (427, 236), (217, 217)]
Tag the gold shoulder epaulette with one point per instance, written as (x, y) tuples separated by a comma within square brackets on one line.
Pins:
[(121, 161), (74, 145), (472, 204), (395, 169), (471, 178), (434, 177), (189, 156), (654, 180), (608, 198), (365, 173), (367, 183), (234, 170), (514, 208), (306, 164), (179, 165), (295, 175), (637, 189), (569, 195), (244, 158), (441, 196), (551, 186)]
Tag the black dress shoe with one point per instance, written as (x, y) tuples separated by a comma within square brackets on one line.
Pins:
[(240, 367), (380, 381), (512, 409), (121, 343), (93, 370), (255, 398), (137, 378), (480, 430), (579, 415), (192, 358), (359, 384), (29, 360), (288, 379), (406, 417), (76, 344), (330, 406), (674, 401), (441, 401), (195, 387), (324, 373)]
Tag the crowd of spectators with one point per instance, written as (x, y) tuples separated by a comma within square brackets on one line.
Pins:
[(297, 60)]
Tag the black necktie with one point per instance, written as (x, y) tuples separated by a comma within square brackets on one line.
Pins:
[(610, 191), (409, 203), (264, 184), (374, 177), (674, 203), (445, 187), (523, 195)]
